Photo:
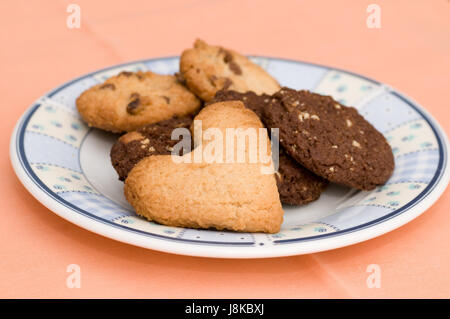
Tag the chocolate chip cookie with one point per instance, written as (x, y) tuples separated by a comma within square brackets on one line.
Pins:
[(130, 100), (152, 139), (296, 185), (207, 69), (330, 139)]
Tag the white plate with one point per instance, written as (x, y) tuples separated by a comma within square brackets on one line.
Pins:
[(66, 166)]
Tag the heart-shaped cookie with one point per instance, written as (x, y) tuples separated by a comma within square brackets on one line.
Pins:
[(179, 191)]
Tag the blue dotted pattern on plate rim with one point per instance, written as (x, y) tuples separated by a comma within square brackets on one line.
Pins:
[(27, 168)]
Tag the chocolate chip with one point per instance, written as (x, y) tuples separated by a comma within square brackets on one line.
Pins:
[(212, 79), (227, 84), (235, 68), (108, 86), (166, 98), (228, 56), (228, 59), (134, 104), (180, 78), (126, 73)]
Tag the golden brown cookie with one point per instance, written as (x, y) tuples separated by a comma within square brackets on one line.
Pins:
[(207, 69), (234, 196), (128, 101)]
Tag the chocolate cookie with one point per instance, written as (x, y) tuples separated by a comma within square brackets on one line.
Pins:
[(128, 101), (296, 185), (153, 139), (330, 139), (250, 99), (207, 69)]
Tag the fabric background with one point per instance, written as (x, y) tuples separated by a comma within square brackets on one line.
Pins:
[(38, 52)]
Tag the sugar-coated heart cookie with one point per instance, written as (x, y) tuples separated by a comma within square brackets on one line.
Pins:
[(239, 196)]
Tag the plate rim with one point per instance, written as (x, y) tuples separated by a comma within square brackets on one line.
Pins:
[(297, 247)]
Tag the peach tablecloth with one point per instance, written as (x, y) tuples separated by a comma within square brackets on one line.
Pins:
[(410, 52)]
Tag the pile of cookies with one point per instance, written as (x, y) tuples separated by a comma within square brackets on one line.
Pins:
[(321, 141)]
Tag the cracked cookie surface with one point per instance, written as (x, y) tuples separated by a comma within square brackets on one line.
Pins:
[(207, 69), (330, 139), (128, 101)]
